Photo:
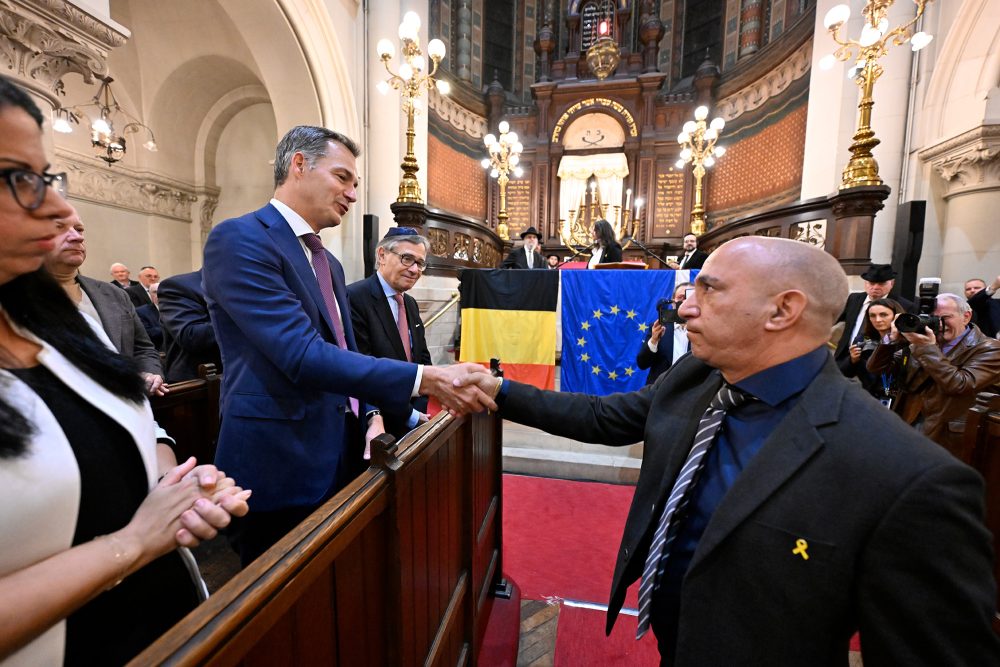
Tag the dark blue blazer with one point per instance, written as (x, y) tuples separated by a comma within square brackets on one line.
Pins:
[(188, 338), (657, 362), (284, 393)]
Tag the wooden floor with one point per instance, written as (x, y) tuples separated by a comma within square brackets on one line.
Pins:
[(538, 633)]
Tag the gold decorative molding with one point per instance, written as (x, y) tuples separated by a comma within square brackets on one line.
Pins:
[(41, 41), (772, 84), (129, 189), (618, 107), (456, 115), (967, 163)]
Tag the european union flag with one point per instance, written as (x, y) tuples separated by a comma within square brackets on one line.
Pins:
[(606, 315)]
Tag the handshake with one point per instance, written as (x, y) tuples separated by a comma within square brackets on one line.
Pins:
[(461, 388)]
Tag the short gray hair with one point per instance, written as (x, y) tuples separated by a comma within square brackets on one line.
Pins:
[(959, 301), (390, 243), (312, 142)]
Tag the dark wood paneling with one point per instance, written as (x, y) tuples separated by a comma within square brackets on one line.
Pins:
[(385, 573)]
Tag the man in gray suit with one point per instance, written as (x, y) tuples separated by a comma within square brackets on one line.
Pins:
[(768, 524), (106, 304)]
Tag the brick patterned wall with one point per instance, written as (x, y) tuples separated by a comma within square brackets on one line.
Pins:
[(455, 181), (759, 164)]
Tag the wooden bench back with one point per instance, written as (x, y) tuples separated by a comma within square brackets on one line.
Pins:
[(396, 569)]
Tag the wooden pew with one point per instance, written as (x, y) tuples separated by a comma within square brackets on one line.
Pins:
[(190, 414), (981, 446), (398, 568)]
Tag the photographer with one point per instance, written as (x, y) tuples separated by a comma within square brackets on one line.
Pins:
[(877, 326), (654, 356), (943, 361)]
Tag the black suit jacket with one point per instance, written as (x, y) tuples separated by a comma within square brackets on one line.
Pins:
[(518, 259), (612, 253), (131, 283), (188, 337), (657, 362), (894, 527), (696, 260), (376, 334), (987, 313), (139, 295), (855, 300)]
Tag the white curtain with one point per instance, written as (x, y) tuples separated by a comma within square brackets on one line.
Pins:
[(609, 169)]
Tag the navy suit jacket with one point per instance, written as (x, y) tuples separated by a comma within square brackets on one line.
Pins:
[(657, 362), (188, 338), (285, 391), (377, 335)]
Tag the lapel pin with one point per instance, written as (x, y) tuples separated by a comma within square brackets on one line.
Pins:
[(800, 549)]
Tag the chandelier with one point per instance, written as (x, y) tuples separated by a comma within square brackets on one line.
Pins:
[(602, 56), (107, 141), (697, 142), (505, 153)]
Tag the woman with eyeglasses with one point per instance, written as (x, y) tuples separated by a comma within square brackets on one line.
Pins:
[(92, 512)]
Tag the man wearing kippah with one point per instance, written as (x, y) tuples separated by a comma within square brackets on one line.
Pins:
[(387, 320)]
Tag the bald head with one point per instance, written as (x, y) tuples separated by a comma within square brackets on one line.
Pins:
[(783, 264), (759, 302)]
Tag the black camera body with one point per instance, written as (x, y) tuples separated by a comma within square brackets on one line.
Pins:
[(867, 345), (926, 305), (666, 313)]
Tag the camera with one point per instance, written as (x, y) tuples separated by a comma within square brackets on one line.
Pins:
[(867, 345), (926, 304), (666, 313)]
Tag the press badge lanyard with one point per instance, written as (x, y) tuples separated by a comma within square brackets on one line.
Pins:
[(886, 383)]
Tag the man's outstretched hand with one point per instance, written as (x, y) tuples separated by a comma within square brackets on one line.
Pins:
[(456, 388)]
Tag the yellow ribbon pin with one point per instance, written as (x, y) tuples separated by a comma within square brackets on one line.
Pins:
[(800, 549)]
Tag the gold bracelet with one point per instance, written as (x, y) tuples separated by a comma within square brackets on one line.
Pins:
[(121, 558)]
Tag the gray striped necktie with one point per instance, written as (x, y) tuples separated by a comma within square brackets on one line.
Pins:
[(729, 397)]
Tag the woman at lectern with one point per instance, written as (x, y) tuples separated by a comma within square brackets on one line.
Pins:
[(606, 248)]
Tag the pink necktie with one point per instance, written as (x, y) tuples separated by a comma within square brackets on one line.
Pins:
[(403, 326), (325, 279)]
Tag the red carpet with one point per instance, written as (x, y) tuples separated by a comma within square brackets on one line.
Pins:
[(580, 641), (561, 538)]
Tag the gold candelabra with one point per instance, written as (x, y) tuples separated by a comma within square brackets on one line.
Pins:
[(504, 154), (872, 44), (578, 236), (411, 79), (697, 142)]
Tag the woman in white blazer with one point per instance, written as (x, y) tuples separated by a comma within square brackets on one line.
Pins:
[(91, 512)]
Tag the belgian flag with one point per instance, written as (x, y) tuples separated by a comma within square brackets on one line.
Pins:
[(511, 315)]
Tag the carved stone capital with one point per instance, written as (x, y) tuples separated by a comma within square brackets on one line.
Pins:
[(41, 41), (967, 163), (209, 198), (456, 115), (121, 187)]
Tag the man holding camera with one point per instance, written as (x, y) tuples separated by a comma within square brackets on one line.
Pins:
[(657, 354), (943, 361)]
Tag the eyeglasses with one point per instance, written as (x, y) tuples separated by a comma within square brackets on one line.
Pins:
[(410, 260), (28, 187)]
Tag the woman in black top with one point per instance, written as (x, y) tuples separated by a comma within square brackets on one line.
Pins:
[(80, 505), (606, 248), (877, 324)]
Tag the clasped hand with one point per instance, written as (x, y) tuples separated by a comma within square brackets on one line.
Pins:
[(189, 504), (454, 391)]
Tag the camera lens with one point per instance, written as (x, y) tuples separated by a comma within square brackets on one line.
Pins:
[(909, 323)]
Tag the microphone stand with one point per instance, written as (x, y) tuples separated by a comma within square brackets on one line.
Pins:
[(645, 249), (574, 255)]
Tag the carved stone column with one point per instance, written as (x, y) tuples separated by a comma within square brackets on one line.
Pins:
[(651, 31), (968, 169), (464, 57), (41, 41), (545, 44), (751, 16)]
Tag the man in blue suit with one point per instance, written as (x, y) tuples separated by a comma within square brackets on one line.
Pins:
[(297, 400)]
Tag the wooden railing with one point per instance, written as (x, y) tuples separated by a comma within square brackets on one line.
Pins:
[(457, 242), (396, 569), (981, 450), (189, 414)]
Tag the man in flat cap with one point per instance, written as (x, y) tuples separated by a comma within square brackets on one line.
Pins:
[(527, 256), (387, 320), (879, 280)]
